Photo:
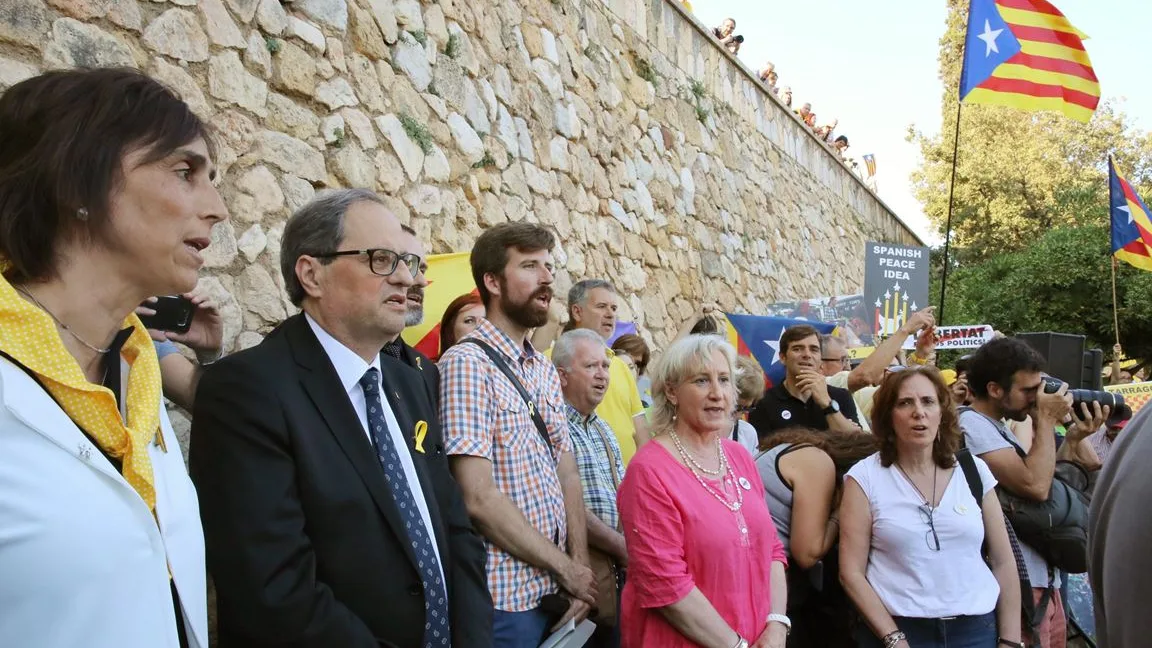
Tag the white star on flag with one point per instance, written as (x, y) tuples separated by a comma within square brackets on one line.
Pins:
[(1128, 211), (989, 37), (775, 346)]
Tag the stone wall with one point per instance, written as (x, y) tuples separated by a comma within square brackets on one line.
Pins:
[(659, 160)]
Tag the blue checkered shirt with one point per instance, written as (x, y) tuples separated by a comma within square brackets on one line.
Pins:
[(597, 451)]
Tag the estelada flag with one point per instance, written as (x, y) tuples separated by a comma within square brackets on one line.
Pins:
[(1131, 224), (1025, 54), (759, 337), (449, 276)]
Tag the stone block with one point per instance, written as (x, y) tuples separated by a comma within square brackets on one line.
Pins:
[(222, 30), (294, 70), (230, 81), (177, 33)]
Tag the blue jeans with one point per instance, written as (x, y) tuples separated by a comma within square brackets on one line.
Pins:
[(953, 632), (526, 629)]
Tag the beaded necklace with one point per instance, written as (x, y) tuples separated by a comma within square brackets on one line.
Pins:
[(726, 481)]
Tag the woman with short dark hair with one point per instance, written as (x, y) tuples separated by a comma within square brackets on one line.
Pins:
[(911, 532), (106, 199)]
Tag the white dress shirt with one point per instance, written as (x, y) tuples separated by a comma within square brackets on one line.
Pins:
[(351, 368)]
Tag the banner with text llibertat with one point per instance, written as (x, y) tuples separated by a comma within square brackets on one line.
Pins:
[(895, 284)]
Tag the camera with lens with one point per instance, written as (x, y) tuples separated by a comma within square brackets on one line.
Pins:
[(1119, 410)]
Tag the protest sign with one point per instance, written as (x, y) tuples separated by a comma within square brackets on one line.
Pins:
[(1136, 395), (958, 337), (895, 284), (848, 312)]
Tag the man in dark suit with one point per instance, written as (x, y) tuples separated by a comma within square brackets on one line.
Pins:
[(398, 348), (330, 516)]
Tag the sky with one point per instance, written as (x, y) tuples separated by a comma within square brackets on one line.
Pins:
[(873, 65)]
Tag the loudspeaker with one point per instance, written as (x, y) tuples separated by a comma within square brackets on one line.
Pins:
[(1063, 352), (1093, 365)]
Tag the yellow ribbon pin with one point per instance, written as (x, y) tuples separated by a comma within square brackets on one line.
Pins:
[(421, 432)]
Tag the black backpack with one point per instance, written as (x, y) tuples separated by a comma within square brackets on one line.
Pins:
[(1057, 528)]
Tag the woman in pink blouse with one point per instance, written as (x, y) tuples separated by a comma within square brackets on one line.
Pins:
[(705, 567)]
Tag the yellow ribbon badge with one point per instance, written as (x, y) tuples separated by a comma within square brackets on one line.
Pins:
[(421, 432)]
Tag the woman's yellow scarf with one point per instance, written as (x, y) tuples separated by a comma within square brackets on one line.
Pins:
[(29, 335)]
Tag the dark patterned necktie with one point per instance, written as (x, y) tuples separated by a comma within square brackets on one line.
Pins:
[(393, 349), (436, 631)]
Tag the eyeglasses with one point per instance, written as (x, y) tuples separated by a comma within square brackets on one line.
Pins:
[(930, 537), (845, 360), (381, 261)]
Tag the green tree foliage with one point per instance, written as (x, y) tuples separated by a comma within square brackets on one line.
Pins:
[(1060, 282), (1020, 173)]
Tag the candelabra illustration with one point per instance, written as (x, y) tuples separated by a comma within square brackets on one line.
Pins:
[(893, 312)]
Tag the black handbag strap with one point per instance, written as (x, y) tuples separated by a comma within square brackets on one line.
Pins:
[(1032, 613), (971, 475), (534, 411)]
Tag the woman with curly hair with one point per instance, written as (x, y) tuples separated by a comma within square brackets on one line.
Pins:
[(802, 471), (912, 534)]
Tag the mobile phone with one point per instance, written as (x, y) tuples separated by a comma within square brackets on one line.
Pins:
[(173, 314)]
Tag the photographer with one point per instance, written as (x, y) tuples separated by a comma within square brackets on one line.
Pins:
[(1005, 381), (205, 336)]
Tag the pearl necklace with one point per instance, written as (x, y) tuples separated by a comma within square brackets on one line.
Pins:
[(691, 462), (720, 495)]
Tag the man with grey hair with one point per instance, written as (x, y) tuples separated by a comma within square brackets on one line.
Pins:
[(582, 359), (592, 305), (330, 515), (397, 347)]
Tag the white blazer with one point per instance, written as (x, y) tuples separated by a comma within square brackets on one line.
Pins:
[(82, 560)]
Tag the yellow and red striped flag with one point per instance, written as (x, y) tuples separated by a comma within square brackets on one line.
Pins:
[(1025, 54), (449, 276)]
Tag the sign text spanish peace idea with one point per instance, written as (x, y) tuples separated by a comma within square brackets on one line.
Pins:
[(895, 284)]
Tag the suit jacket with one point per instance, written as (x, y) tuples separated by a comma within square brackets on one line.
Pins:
[(83, 562), (304, 539), (428, 369)]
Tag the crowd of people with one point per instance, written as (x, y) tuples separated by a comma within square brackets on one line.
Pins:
[(726, 34), (345, 490)]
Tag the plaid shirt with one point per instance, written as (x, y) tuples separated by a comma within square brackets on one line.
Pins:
[(598, 456), (484, 416)]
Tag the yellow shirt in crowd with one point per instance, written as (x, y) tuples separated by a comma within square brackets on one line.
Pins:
[(621, 403)]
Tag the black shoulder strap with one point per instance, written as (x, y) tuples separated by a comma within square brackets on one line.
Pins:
[(1032, 614), (971, 475), (999, 428), (496, 359)]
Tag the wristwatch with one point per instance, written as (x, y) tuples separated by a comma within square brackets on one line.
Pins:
[(781, 618), (833, 408), (1000, 641)]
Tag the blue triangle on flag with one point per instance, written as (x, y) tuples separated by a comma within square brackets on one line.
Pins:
[(761, 334)]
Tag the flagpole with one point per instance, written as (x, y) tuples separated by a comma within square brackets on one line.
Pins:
[(1115, 304), (951, 203)]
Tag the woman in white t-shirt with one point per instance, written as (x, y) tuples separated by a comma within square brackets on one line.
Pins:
[(911, 532)]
